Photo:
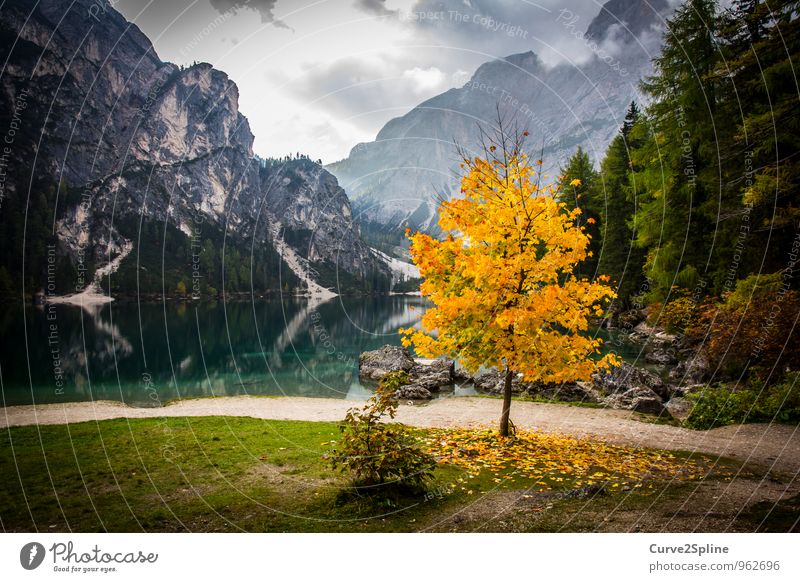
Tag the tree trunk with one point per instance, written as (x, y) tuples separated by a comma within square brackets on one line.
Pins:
[(506, 403)]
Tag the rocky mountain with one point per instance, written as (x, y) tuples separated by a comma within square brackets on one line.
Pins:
[(314, 212), (627, 20), (120, 159), (395, 179)]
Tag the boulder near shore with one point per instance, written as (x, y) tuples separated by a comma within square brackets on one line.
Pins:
[(424, 376), (626, 387)]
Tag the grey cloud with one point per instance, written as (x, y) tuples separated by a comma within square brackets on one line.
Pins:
[(377, 7), (462, 36), (264, 7), (502, 27), (368, 93), (497, 28)]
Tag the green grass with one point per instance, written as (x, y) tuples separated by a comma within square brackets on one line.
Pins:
[(189, 474), (222, 474)]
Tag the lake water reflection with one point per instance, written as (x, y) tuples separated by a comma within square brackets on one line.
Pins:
[(149, 354)]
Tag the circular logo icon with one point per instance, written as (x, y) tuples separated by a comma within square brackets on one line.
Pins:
[(31, 555)]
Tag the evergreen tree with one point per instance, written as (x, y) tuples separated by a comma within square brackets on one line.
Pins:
[(619, 258), (761, 42), (677, 168), (583, 195)]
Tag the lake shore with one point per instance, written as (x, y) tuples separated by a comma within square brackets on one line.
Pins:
[(773, 446)]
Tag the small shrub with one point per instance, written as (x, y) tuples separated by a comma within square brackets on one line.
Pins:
[(720, 406), (783, 401), (751, 331), (389, 385), (654, 314), (752, 289), (376, 452), (678, 314)]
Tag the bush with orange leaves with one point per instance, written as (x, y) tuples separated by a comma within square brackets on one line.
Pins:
[(753, 331)]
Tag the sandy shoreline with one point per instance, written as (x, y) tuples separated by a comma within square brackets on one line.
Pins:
[(89, 298), (776, 446), (93, 295)]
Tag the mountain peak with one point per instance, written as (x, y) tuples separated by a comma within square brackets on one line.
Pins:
[(524, 60), (527, 61), (163, 146), (400, 177), (629, 17)]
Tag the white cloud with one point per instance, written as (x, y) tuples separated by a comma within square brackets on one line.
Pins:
[(425, 80)]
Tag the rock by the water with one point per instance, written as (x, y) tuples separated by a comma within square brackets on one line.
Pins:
[(632, 388), (679, 408), (692, 370), (566, 392), (639, 399), (430, 376), (683, 390), (625, 377), (661, 357), (493, 382), (461, 375), (435, 375), (647, 405), (655, 338), (490, 381), (377, 363), (413, 392), (630, 319), (641, 332)]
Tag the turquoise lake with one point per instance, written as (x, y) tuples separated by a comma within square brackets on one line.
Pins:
[(151, 353)]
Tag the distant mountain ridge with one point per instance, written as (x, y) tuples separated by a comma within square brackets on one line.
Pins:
[(394, 180), (113, 141)]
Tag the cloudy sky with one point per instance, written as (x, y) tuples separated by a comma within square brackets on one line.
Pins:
[(319, 76)]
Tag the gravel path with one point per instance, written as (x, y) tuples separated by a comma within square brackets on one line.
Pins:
[(776, 446)]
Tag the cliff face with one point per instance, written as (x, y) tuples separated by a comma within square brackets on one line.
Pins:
[(133, 141), (307, 201), (396, 178)]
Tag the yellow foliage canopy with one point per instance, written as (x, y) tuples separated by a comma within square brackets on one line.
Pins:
[(502, 284)]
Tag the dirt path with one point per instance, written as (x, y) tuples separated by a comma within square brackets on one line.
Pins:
[(775, 446)]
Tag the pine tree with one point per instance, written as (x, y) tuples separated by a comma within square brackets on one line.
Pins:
[(761, 42), (619, 257), (676, 217), (578, 187)]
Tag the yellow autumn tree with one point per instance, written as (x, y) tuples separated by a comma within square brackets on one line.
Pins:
[(502, 281)]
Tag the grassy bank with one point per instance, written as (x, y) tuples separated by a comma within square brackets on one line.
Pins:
[(241, 474)]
